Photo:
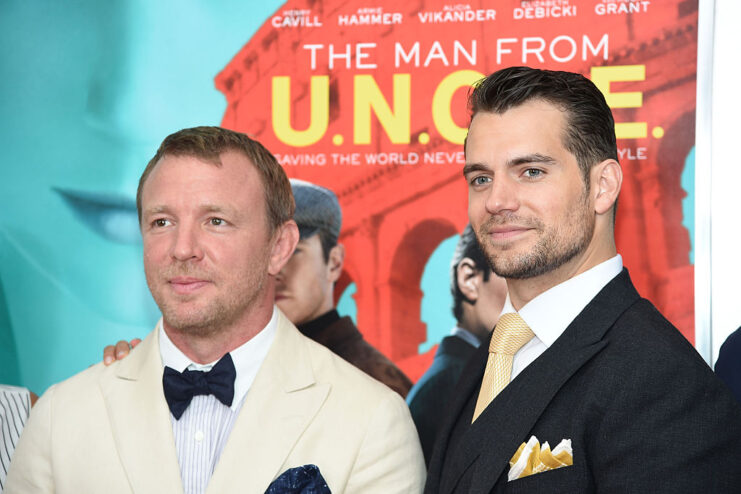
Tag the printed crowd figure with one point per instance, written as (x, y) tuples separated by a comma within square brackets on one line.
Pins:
[(584, 386), (225, 394), (478, 297), (305, 286)]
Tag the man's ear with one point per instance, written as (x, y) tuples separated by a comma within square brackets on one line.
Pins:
[(335, 262), (606, 179), (285, 239), (467, 276)]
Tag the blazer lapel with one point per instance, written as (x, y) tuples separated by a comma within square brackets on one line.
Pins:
[(491, 441), (280, 405), (140, 420)]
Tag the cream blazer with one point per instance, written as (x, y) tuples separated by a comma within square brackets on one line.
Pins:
[(108, 429)]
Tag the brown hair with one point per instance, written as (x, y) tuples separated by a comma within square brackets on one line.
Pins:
[(590, 128), (207, 143)]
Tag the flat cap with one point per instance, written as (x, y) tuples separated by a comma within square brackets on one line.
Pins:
[(317, 209)]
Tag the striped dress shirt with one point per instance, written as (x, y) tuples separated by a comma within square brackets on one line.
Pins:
[(203, 429), (15, 405)]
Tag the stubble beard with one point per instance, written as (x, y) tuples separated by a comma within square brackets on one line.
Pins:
[(216, 314), (555, 247)]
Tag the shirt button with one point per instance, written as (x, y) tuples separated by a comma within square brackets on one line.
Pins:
[(199, 436)]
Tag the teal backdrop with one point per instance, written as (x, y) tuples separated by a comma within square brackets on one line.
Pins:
[(88, 91)]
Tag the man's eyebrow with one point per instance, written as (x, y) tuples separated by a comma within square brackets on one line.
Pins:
[(519, 160), (205, 208), (531, 158), (474, 167), (155, 210)]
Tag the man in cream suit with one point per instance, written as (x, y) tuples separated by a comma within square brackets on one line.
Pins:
[(249, 397), (583, 387)]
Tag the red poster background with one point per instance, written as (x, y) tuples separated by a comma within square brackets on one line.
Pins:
[(396, 213)]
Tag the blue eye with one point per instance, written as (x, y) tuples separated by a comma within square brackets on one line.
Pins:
[(480, 180), (533, 172)]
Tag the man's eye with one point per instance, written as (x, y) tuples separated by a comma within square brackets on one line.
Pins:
[(533, 173), (160, 222), (216, 221), (480, 180)]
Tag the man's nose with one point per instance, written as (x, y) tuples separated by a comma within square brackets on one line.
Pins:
[(186, 245), (502, 195)]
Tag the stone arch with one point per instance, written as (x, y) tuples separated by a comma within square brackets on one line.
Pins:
[(405, 295)]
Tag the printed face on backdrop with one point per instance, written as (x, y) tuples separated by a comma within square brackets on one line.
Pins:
[(207, 243), (492, 293), (304, 285), (84, 106), (528, 203)]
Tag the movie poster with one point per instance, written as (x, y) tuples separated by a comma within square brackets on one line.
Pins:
[(365, 97), (369, 99)]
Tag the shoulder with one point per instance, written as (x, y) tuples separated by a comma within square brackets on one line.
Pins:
[(438, 381), (731, 348), (335, 370), (648, 364), (86, 389), (364, 356)]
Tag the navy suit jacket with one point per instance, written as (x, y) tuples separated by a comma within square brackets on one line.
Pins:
[(728, 366), (430, 397), (643, 411)]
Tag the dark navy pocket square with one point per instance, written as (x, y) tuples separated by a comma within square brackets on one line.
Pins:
[(305, 479)]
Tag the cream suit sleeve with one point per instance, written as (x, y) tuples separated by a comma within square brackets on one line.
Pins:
[(390, 457), (31, 467)]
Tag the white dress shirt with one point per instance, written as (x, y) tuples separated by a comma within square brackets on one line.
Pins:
[(15, 405), (550, 313), (203, 429)]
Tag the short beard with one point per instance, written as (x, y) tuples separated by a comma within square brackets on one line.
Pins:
[(556, 246), (210, 320)]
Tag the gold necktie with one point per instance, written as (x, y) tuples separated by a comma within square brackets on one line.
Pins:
[(510, 334)]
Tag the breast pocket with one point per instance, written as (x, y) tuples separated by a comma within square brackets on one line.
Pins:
[(564, 480)]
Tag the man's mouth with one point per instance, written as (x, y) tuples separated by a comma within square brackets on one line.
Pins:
[(186, 284), (507, 232)]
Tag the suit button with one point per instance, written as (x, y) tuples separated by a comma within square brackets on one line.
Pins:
[(199, 436)]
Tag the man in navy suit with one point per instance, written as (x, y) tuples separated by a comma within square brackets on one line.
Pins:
[(584, 386), (478, 296)]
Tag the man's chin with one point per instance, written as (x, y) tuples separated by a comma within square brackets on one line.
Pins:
[(190, 322)]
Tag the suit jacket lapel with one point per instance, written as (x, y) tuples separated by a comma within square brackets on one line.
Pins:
[(279, 406), (140, 420), (503, 426)]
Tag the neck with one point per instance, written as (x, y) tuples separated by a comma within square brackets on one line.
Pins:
[(208, 346), (473, 324), (522, 291)]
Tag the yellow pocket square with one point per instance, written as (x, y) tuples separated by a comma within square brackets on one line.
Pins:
[(531, 458)]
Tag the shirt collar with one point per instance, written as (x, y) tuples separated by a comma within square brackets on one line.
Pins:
[(247, 358), (550, 313), (466, 336)]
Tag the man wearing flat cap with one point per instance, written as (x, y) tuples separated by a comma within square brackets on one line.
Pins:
[(305, 286)]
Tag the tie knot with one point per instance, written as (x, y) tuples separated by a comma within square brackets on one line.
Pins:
[(510, 333)]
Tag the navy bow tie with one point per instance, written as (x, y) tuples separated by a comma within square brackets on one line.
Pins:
[(181, 387)]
